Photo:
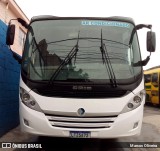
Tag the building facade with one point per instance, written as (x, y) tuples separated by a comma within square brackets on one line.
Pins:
[(9, 67), (10, 10)]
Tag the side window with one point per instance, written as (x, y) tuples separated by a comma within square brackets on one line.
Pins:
[(147, 78), (155, 77)]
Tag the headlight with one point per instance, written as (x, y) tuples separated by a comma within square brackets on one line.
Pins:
[(130, 105), (143, 92), (137, 99), (25, 97), (133, 103), (28, 100)]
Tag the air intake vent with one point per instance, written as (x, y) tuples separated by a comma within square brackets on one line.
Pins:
[(81, 122)]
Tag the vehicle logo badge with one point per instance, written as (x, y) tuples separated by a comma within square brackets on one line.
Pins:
[(81, 111)]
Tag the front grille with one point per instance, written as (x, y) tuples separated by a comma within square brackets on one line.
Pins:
[(81, 122)]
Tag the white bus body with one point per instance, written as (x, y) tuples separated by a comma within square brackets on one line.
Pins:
[(105, 118), (106, 103)]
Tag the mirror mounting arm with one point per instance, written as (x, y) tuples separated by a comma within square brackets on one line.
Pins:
[(16, 57), (143, 62), (137, 27), (21, 21)]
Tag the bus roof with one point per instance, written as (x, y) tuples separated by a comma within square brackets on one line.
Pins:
[(116, 18), (152, 70)]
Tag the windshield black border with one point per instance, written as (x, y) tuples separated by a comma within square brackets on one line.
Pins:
[(114, 18)]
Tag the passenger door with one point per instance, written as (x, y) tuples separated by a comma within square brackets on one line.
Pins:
[(147, 78), (155, 88)]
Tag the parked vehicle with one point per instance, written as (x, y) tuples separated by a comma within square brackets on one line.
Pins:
[(152, 86), (82, 76)]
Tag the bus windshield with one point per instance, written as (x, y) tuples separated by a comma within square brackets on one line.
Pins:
[(51, 42)]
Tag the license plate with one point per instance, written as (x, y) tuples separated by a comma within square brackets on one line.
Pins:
[(80, 134)]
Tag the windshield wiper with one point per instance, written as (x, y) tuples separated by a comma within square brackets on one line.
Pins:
[(77, 48), (66, 60), (106, 60)]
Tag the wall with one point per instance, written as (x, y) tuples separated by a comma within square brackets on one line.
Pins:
[(9, 85), (9, 68)]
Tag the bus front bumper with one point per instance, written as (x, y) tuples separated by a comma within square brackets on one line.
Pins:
[(126, 124)]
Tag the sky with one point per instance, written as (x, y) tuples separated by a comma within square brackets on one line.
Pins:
[(142, 11)]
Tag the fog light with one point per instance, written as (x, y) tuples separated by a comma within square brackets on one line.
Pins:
[(135, 125), (26, 122), (130, 105)]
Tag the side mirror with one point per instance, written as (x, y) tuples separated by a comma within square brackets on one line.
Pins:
[(10, 34), (151, 41)]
